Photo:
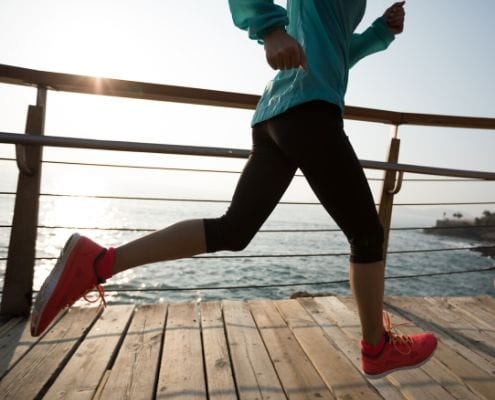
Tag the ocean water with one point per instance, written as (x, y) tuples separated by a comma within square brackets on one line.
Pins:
[(296, 265)]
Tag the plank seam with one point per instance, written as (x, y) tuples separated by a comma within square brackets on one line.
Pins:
[(33, 344), (160, 353), (231, 360), (203, 355), (67, 357), (249, 303)]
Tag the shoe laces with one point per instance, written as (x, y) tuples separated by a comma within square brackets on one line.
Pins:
[(100, 296), (398, 339)]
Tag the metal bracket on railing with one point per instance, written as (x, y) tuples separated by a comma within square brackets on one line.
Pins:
[(398, 184), (22, 160), (29, 157)]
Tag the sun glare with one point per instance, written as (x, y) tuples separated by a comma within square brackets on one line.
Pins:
[(81, 209)]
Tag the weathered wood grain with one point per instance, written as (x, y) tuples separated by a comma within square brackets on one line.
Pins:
[(254, 372), (133, 374), (219, 373), (82, 374), (30, 375), (182, 372)]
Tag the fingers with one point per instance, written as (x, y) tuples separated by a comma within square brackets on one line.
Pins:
[(395, 20), (284, 52), (287, 58), (395, 9), (394, 16)]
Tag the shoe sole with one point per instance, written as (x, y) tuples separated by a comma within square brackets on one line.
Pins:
[(51, 283), (384, 374)]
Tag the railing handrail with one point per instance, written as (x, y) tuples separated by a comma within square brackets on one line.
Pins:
[(152, 91), (142, 147)]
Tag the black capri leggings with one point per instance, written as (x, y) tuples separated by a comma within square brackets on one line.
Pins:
[(310, 137)]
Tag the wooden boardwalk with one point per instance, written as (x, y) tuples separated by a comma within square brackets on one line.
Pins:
[(296, 349)]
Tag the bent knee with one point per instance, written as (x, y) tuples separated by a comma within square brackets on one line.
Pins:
[(222, 236), (237, 242), (367, 247)]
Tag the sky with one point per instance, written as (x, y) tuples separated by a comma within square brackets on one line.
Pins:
[(443, 63)]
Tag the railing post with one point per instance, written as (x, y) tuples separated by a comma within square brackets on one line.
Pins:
[(18, 284), (390, 188)]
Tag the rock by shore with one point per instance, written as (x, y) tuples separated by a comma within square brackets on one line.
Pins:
[(480, 229)]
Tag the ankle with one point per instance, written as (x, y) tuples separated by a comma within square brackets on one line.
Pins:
[(373, 337), (373, 349), (104, 264)]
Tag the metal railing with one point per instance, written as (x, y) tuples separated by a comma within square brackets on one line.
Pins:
[(16, 299)]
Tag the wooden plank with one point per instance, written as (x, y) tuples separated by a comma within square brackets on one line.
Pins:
[(487, 303), (8, 324), (336, 370), (82, 374), (217, 361), (434, 368), (465, 329), (483, 304), (254, 372), (182, 372), (14, 342), (133, 375), (431, 319), (449, 352), (299, 378), (30, 375), (473, 311), (414, 383), (347, 345), (101, 386)]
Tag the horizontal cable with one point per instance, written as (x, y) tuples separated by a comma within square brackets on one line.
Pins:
[(308, 255), (185, 200), (271, 230), (153, 230), (460, 203), (319, 283), (74, 228), (304, 255), (308, 203), (232, 171), (110, 288)]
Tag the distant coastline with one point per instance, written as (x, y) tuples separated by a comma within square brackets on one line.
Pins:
[(481, 229)]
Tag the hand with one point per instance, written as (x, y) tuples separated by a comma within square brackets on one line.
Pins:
[(394, 17), (283, 51)]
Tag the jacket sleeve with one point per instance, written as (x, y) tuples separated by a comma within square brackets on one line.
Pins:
[(257, 16), (376, 38)]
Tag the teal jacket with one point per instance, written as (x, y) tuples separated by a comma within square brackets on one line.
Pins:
[(325, 29)]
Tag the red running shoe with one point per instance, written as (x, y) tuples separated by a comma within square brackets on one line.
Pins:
[(399, 352), (72, 277)]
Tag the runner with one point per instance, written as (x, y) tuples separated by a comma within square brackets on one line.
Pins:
[(298, 123)]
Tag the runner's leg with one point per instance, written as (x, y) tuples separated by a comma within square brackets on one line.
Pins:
[(265, 178), (318, 145)]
